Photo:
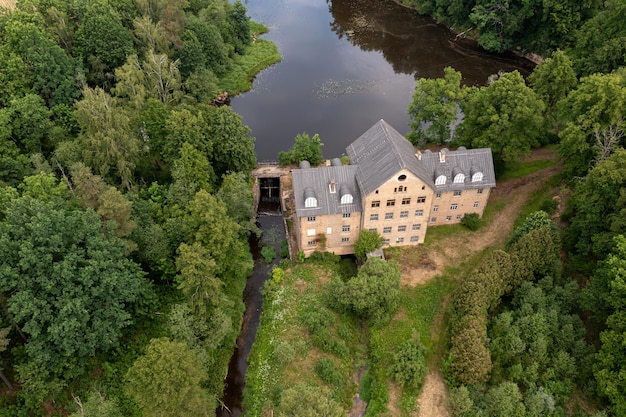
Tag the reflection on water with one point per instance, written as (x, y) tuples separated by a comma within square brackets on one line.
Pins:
[(346, 65)]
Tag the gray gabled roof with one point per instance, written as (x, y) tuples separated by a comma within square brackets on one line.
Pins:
[(317, 180), (380, 153), (465, 161)]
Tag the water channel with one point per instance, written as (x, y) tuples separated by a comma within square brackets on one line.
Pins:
[(346, 65)]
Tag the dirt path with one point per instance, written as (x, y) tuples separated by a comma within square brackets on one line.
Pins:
[(455, 249)]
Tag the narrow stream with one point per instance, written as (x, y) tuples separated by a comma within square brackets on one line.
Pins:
[(270, 221)]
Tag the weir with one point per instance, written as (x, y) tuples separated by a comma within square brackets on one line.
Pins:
[(270, 221)]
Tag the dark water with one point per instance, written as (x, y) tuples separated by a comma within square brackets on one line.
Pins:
[(270, 221), (346, 65)]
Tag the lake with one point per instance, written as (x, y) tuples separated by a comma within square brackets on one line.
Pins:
[(347, 64)]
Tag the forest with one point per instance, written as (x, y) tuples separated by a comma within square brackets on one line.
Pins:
[(126, 205)]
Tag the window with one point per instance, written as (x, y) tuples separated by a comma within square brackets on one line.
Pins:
[(406, 201), (438, 195), (441, 180), (311, 243), (457, 193), (402, 228), (400, 189), (404, 214), (448, 218), (421, 199), (400, 240), (477, 176), (435, 209), (415, 238), (459, 178), (386, 242), (479, 191), (433, 219), (458, 217), (391, 203), (347, 215), (387, 230), (345, 239), (476, 204), (375, 203), (311, 218), (419, 213), (345, 228), (416, 226), (454, 206), (388, 216), (402, 177), (373, 217), (373, 230), (310, 232)]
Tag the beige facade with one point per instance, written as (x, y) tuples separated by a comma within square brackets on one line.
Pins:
[(390, 188), (449, 207)]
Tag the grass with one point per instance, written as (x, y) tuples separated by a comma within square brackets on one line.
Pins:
[(520, 169), (260, 54)]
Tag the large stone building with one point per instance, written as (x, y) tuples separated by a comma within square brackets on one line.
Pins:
[(388, 187)]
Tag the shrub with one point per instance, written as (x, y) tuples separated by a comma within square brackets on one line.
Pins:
[(268, 253), (471, 221), (316, 318), (549, 205), (409, 365), (284, 249), (325, 369)]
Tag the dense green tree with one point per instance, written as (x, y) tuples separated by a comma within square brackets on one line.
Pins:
[(49, 71), (598, 208), (208, 223), (12, 70), (191, 173), (505, 400), (409, 364), (601, 41), (505, 116), (27, 123), (593, 121), (236, 194), (233, 149), (366, 243), (435, 108), (236, 27), (552, 80), (374, 294), (197, 278), (150, 36), (610, 368), (184, 126), (109, 145), (303, 400), (305, 148), (215, 51), (67, 282), (102, 41), (165, 381), (97, 405), (469, 350)]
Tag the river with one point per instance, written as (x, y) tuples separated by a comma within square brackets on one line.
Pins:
[(346, 65)]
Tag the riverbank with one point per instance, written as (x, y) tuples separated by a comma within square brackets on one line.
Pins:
[(261, 54)]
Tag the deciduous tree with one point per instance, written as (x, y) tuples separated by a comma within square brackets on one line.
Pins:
[(166, 380), (505, 116)]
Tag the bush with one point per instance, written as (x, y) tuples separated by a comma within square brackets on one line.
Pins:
[(471, 221), (325, 369), (316, 319), (268, 253), (549, 205), (284, 249), (409, 365)]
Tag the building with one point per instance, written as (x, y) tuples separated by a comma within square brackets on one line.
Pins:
[(388, 187)]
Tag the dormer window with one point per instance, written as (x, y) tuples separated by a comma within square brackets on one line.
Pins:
[(346, 194), (440, 180), (477, 176), (310, 199)]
